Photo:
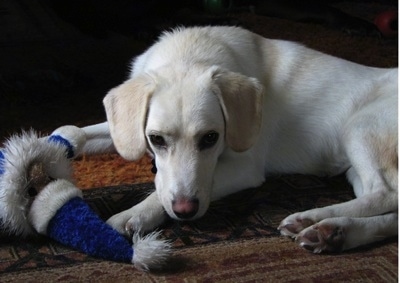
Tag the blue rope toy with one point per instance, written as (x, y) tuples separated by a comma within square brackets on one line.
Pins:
[(37, 195)]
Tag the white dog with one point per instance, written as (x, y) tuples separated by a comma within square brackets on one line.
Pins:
[(221, 108)]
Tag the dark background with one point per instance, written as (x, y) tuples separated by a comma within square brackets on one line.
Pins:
[(59, 58)]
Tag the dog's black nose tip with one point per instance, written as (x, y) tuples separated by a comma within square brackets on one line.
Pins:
[(185, 208), (186, 215)]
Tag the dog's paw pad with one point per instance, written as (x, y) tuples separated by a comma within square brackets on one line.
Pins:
[(291, 226), (322, 237)]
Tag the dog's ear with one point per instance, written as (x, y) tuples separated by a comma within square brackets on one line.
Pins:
[(241, 102), (126, 109)]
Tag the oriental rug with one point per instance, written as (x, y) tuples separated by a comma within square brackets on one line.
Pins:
[(236, 241)]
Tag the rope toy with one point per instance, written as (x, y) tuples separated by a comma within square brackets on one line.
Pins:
[(37, 195)]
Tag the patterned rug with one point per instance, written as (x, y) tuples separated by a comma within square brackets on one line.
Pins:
[(235, 241)]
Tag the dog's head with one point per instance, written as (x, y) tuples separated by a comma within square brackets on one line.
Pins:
[(187, 120)]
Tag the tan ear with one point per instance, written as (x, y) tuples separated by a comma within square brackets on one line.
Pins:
[(241, 102), (126, 109)]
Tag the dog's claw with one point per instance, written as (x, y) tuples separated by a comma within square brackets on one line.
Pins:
[(292, 225), (129, 231), (132, 228), (322, 237), (286, 230)]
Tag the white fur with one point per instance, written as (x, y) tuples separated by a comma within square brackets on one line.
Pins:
[(278, 108), (149, 251), (49, 201), (20, 152), (74, 135)]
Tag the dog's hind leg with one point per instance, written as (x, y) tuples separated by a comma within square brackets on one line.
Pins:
[(368, 218), (343, 233), (370, 142), (346, 225)]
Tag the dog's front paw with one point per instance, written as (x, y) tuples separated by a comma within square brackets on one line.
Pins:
[(294, 224), (118, 222), (143, 217), (322, 237), (130, 221), (143, 223)]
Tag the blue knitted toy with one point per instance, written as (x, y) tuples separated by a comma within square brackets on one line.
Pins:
[(37, 195)]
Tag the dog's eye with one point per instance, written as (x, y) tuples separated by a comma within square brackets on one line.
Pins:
[(157, 141), (208, 140)]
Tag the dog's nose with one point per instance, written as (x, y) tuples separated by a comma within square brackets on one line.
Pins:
[(185, 208)]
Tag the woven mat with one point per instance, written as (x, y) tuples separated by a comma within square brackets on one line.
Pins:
[(236, 241)]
